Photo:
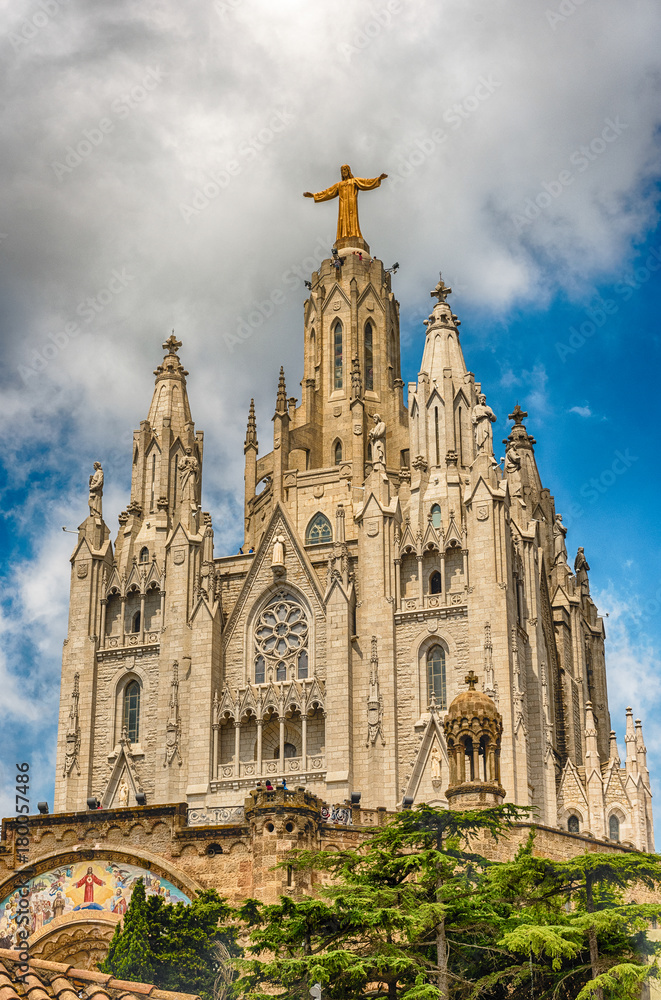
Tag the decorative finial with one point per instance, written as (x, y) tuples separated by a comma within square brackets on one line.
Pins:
[(251, 430), (517, 415), (442, 290), (281, 401), (471, 680)]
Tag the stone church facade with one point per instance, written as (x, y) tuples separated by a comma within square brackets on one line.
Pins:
[(386, 554)]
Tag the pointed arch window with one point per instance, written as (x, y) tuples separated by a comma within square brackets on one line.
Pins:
[(281, 671), (303, 664), (260, 670), (436, 676), (131, 713), (135, 622), (338, 373), (435, 583), (144, 554), (369, 356), (153, 481), (573, 824), (337, 453), (614, 828), (313, 348), (318, 531), (436, 516)]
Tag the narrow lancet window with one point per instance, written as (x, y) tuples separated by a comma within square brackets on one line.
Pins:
[(436, 676), (369, 356), (337, 356), (131, 714), (337, 453)]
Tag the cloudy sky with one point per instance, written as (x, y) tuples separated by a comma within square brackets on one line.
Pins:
[(152, 164)]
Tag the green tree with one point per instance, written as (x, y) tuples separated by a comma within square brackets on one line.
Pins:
[(394, 911), (418, 909), (174, 946), (570, 918)]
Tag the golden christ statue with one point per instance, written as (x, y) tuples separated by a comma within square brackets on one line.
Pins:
[(347, 190)]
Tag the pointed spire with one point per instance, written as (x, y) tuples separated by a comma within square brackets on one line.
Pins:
[(591, 748), (281, 400), (170, 399), (614, 753), (631, 763), (251, 430), (641, 749)]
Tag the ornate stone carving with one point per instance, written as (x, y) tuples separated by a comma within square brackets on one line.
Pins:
[(73, 732), (189, 468), (483, 417), (173, 726), (513, 472), (378, 438), (96, 491), (356, 380), (374, 701), (489, 685), (559, 535), (581, 570)]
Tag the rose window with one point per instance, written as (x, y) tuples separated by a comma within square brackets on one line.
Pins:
[(281, 634)]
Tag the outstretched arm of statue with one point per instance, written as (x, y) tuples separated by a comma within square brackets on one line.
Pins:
[(367, 183), (326, 195)]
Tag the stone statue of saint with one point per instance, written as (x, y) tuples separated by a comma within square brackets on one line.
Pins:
[(435, 759), (278, 558), (581, 570), (96, 490), (559, 547), (378, 439), (123, 795), (483, 417), (513, 471), (347, 191), (188, 474)]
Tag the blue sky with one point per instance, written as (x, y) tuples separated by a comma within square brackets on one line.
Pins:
[(153, 166)]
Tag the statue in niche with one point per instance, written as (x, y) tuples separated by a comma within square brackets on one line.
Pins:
[(559, 546), (188, 476), (377, 438), (435, 763), (483, 417), (278, 558), (513, 472), (581, 570), (123, 794), (96, 490)]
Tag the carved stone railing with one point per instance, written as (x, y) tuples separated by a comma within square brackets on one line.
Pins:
[(313, 766)]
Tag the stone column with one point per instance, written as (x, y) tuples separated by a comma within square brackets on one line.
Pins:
[(237, 747), (214, 759), (281, 720), (260, 727), (444, 589), (122, 623), (398, 584), (142, 618), (102, 637), (304, 740), (420, 582)]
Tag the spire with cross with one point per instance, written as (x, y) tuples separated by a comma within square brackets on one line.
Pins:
[(172, 345), (442, 290), (517, 415)]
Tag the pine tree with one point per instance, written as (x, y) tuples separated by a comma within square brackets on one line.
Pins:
[(174, 946), (394, 912), (130, 955)]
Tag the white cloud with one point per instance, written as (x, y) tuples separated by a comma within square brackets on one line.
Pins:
[(582, 411)]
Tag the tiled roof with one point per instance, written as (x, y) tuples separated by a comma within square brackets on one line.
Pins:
[(55, 981)]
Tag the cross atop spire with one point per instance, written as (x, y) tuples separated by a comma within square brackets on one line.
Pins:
[(471, 680), (442, 290), (517, 415), (172, 345)]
